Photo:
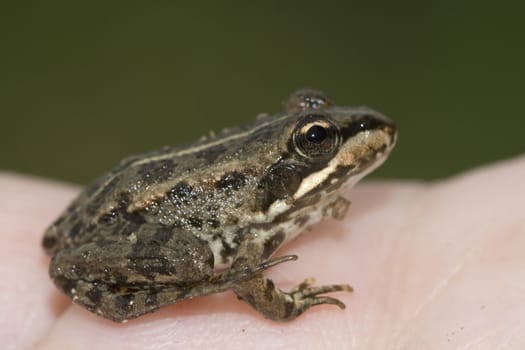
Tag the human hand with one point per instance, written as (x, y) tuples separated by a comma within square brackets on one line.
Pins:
[(434, 266)]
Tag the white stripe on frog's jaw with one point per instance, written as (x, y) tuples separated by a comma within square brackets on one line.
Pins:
[(358, 156)]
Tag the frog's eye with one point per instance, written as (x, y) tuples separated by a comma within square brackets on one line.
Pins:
[(316, 136)]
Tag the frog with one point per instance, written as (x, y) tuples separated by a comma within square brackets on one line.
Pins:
[(208, 216)]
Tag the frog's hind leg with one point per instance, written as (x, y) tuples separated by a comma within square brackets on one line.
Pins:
[(123, 304), (264, 296), (125, 278)]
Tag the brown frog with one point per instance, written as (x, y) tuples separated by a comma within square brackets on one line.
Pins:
[(207, 217)]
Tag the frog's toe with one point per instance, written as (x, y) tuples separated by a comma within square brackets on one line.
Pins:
[(306, 296), (307, 288)]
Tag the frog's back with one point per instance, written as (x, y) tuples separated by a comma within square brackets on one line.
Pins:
[(208, 183)]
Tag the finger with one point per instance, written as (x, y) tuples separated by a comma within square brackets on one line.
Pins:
[(30, 303)]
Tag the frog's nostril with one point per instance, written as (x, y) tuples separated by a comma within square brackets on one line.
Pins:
[(392, 133), (391, 130)]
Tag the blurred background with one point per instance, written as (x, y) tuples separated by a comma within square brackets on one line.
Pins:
[(83, 85)]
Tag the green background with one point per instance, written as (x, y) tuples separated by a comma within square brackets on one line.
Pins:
[(83, 85)]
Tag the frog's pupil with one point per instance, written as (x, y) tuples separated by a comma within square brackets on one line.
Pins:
[(316, 134)]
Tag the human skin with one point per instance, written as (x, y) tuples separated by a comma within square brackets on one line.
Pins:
[(437, 265)]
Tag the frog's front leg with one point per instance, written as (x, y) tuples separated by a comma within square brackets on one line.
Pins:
[(262, 294), (137, 274)]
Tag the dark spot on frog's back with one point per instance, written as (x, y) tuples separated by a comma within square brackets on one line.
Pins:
[(233, 180), (195, 222), (180, 193), (123, 201), (108, 218)]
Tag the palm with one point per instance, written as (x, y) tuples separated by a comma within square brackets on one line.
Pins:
[(433, 266)]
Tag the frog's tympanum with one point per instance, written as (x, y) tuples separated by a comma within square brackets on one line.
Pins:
[(207, 217)]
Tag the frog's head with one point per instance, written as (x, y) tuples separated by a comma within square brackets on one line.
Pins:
[(328, 150)]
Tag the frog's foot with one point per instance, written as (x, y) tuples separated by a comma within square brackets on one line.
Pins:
[(277, 305), (307, 294)]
